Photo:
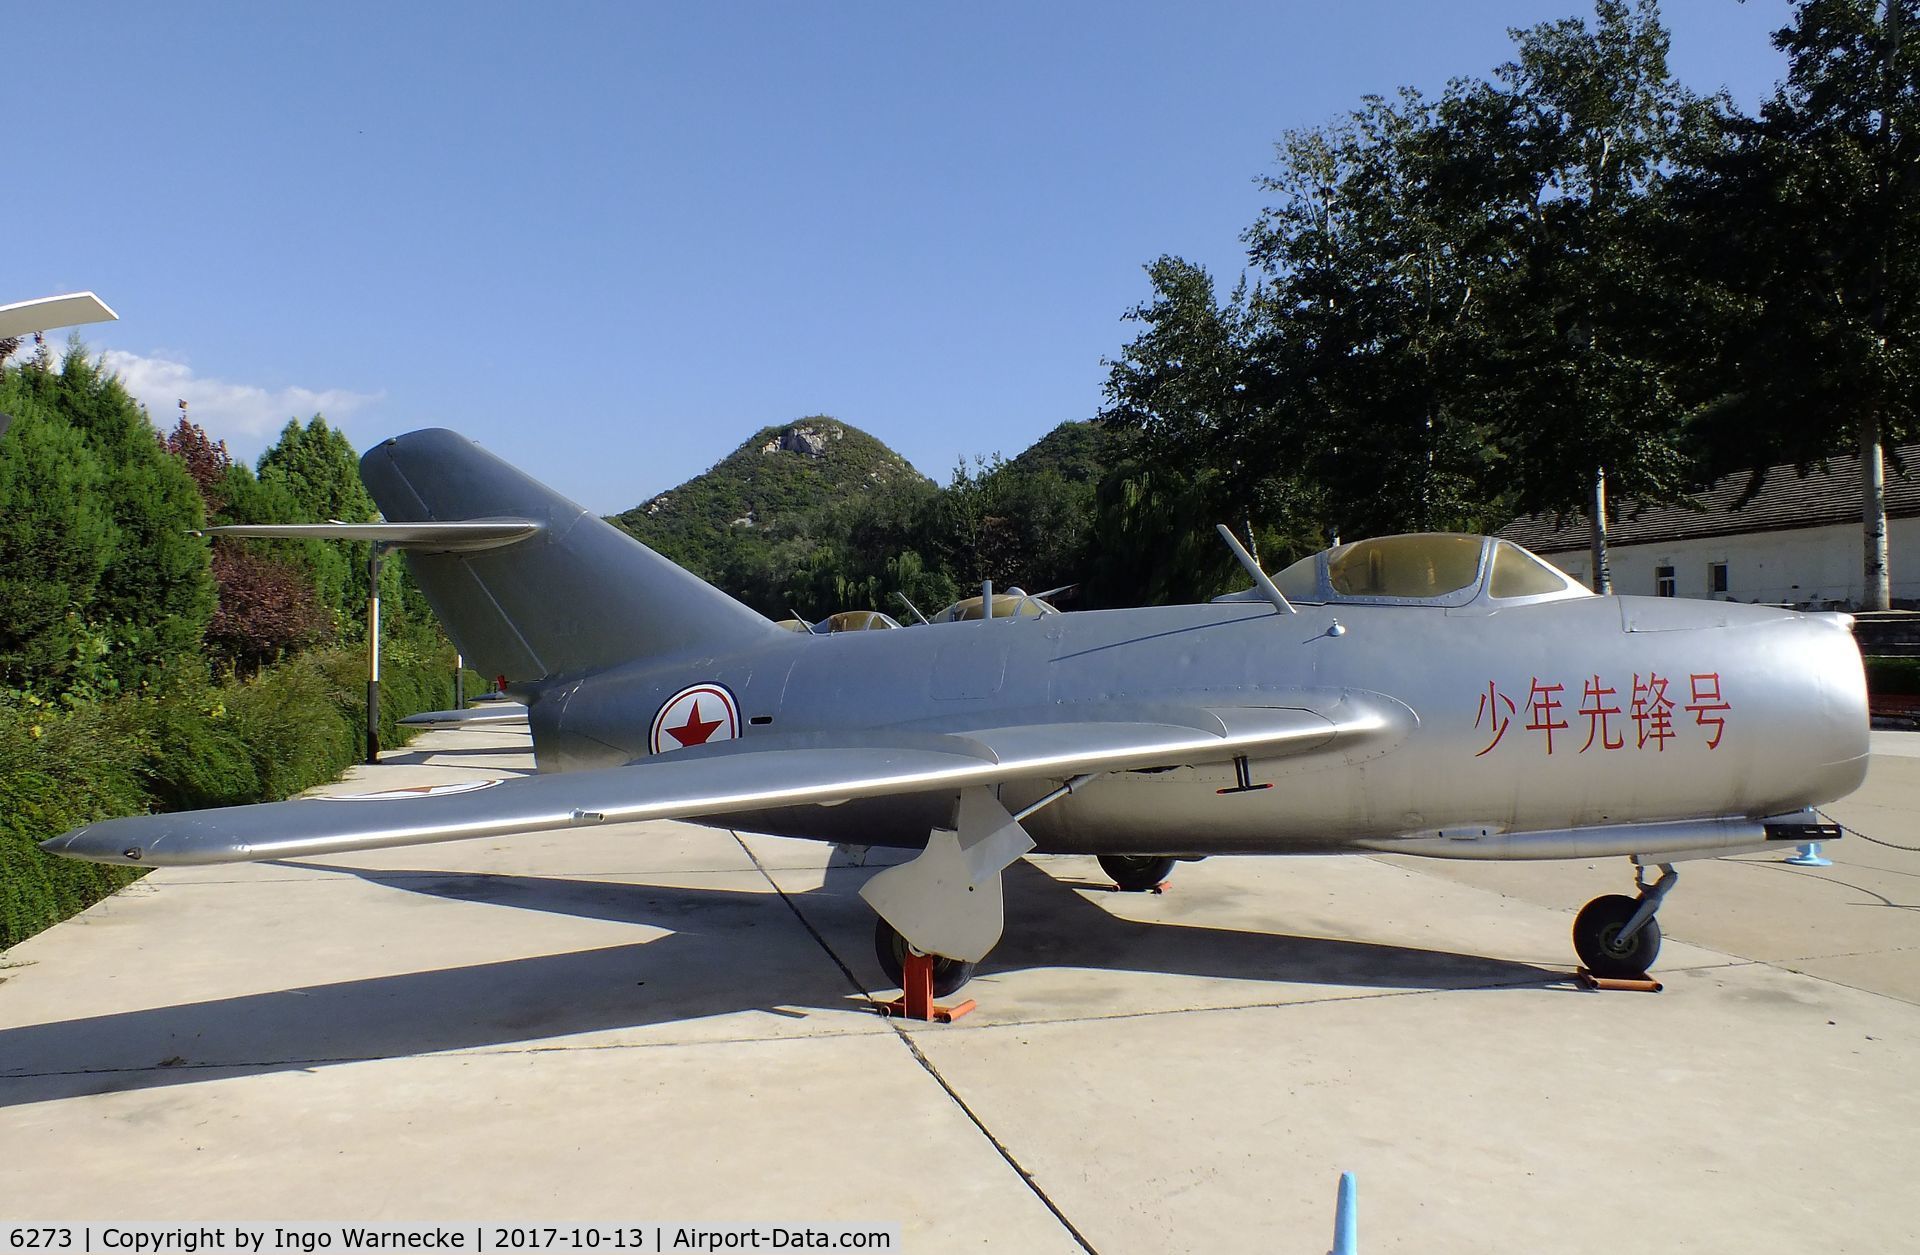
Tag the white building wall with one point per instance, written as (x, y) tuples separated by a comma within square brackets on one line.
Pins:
[(1818, 567)]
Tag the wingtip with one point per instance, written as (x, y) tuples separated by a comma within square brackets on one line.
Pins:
[(63, 844), (93, 847)]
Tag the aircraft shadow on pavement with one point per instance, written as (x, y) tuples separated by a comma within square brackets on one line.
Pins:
[(1049, 924), (452, 757), (725, 950)]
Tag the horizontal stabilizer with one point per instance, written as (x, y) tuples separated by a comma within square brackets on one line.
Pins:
[(483, 716), (461, 537), (743, 775)]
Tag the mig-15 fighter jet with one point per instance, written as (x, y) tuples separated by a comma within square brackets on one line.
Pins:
[(1442, 695)]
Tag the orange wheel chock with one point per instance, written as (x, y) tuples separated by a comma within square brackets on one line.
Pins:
[(916, 994), (1643, 985)]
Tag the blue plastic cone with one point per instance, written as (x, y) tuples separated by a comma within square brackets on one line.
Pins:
[(1346, 1218)]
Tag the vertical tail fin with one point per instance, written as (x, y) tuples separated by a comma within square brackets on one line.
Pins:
[(577, 596)]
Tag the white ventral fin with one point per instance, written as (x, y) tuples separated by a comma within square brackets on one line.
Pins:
[(947, 901)]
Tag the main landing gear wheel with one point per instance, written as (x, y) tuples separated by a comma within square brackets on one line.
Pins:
[(1597, 938), (1137, 873), (891, 949)]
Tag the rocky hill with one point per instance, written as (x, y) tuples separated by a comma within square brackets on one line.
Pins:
[(778, 488)]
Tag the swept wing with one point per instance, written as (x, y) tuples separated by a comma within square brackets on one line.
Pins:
[(744, 775), (472, 717)]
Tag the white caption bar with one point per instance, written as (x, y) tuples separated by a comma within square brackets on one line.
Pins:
[(309, 1239)]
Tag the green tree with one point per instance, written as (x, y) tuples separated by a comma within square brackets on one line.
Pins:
[(266, 607), (1377, 265), (1157, 543), (1808, 223), (325, 568), (315, 469), (1324, 399), (1561, 150), (1197, 389), (56, 538), (1452, 294), (156, 594), (320, 470)]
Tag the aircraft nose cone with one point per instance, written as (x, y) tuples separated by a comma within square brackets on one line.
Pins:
[(1833, 730)]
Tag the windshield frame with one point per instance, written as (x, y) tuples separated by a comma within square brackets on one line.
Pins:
[(1478, 591)]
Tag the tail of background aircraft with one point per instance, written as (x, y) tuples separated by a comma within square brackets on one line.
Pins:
[(577, 596)]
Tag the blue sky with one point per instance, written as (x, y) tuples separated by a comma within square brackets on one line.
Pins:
[(610, 241)]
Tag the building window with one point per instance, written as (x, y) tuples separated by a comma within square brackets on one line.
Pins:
[(1717, 578), (1663, 581)]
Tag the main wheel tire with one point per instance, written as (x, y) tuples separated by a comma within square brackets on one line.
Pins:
[(1137, 873), (891, 949), (1596, 938)]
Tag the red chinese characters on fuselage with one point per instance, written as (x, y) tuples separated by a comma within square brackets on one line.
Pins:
[(1651, 707)]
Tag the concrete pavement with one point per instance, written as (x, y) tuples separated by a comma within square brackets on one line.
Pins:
[(660, 1021)]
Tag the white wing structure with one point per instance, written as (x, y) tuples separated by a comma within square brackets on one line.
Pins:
[(23, 318), (744, 775)]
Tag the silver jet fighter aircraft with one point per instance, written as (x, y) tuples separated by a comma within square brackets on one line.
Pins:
[(1441, 695)]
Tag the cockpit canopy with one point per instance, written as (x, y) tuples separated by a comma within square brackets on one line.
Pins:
[(1421, 568), (1013, 605), (854, 621)]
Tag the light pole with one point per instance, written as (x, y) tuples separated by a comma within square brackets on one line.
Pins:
[(376, 556)]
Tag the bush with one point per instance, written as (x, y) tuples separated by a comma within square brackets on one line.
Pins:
[(409, 682), (191, 755), (194, 743), (294, 729), (58, 770)]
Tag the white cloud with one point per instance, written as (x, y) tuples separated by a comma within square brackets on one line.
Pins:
[(246, 416)]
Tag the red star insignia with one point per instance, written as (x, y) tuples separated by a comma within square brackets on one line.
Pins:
[(695, 730)]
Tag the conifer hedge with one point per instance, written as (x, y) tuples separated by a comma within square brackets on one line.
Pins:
[(193, 743)]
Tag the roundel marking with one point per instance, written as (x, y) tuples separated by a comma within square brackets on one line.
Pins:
[(700, 714)]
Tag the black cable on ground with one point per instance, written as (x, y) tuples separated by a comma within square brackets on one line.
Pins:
[(1855, 832), (919, 1056)]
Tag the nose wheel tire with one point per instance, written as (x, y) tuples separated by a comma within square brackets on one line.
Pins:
[(1137, 873), (1596, 938), (891, 949)]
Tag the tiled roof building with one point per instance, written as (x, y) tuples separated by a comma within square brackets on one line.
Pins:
[(1797, 542)]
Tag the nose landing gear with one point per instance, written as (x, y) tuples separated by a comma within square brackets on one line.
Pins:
[(1617, 936)]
